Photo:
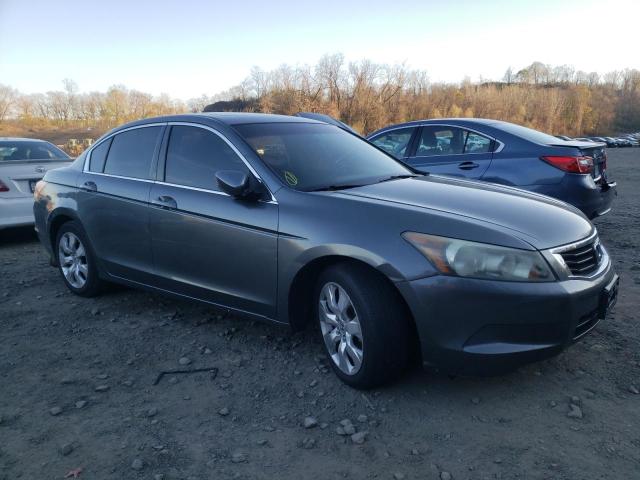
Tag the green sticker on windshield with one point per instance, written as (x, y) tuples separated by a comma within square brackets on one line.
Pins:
[(290, 178)]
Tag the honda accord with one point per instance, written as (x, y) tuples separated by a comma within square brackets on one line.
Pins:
[(298, 222)]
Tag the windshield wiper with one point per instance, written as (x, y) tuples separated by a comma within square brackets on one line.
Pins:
[(332, 188), (346, 186), (397, 177)]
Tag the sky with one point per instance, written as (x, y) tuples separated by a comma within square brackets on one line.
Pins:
[(188, 48)]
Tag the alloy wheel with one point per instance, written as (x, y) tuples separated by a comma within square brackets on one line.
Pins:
[(72, 257), (341, 328)]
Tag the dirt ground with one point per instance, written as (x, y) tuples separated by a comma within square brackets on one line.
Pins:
[(77, 390)]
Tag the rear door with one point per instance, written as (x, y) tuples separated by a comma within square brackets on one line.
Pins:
[(450, 150), (205, 243), (113, 200)]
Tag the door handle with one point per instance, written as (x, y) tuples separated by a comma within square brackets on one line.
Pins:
[(90, 186), (164, 201), (468, 165)]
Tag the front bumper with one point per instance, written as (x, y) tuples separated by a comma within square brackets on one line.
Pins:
[(484, 327)]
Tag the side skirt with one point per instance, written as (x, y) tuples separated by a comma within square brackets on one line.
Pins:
[(181, 296)]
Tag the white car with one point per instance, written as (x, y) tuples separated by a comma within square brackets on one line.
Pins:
[(24, 161)]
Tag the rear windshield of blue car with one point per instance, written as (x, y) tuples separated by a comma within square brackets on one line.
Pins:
[(313, 156), (19, 150), (528, 133)]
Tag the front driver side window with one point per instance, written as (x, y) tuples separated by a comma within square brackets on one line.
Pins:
[(195, 155), (394, 142)]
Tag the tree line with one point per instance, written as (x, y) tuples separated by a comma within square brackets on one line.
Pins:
[(367, 96)]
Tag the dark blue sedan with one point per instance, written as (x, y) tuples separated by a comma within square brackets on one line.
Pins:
[(505, 153)]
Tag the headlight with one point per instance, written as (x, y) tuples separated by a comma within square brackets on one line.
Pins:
[(481, 260)]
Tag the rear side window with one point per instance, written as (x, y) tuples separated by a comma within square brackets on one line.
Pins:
[(477, 143), (394, 142), (131, 152), (98, 156), (195, 155)]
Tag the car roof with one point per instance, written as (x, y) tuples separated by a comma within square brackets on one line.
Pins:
[(468, 122), (227, 118), (239, 118)]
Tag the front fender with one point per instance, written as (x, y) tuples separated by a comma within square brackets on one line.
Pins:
[(294, 260), (344, 250)]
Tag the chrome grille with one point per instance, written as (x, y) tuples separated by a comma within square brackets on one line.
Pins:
[(583, 260)]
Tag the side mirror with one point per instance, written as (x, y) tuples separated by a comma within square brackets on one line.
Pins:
[(235, 183)]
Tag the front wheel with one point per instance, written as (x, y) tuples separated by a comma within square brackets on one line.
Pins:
[(76, 261), (364, 325)]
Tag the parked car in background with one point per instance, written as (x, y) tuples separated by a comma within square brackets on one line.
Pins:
[(574, 171), (563, 137), (612, 142), (295, 221), (608, 143), (633, 141), (24, 161)]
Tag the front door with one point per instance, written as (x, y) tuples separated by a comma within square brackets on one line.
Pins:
[(205, 243)]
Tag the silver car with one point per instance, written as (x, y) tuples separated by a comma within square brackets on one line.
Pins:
[(23, 162)]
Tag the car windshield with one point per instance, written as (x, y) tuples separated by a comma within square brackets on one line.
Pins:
[(527, 133), (16, 150), (310, 156)]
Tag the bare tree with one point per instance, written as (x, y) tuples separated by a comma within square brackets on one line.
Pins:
[(8, 97), (509, 77), (259, 81), (197, 104), (330, 73)]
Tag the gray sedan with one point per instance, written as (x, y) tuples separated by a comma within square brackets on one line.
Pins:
[(298, 222)]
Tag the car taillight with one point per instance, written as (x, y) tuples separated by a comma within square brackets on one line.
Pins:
[(3, 187), (571, 164)]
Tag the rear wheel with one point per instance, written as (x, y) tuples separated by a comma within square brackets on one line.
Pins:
[(76, 261), (364, 325)]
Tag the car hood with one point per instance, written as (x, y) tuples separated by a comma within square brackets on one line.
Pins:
[(540, 221)]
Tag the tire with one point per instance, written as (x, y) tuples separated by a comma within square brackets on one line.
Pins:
[(76, 260), (383, 324)]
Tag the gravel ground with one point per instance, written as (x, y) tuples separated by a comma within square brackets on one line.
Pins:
[(77, 391)]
